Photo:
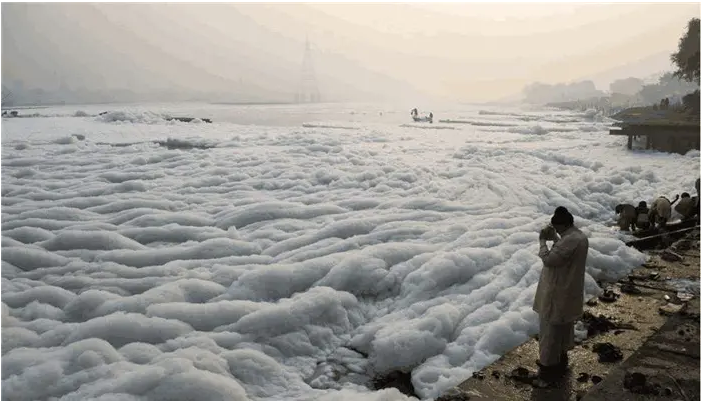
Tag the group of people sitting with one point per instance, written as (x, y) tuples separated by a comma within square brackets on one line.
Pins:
[(659, 213)]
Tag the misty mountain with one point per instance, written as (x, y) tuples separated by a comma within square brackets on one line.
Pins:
[(653, 65), (539, 93), (148, 48)]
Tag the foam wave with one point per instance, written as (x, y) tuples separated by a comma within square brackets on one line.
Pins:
[(593, 115), (426, 126), (31, 115), (131, 117), (291, 265), (188, 143), (531, 130), (67, 140), (479, 123), (498, 113), (331, 126), (77, 113)]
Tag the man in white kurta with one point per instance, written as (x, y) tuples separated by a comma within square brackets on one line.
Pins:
[(661, 211), (559, 298)]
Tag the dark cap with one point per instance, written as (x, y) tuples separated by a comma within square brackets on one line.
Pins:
[(562, 217)]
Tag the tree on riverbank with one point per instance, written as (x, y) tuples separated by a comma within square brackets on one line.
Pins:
[(668, 86), (687, 56), (679, 86), (687, 60)]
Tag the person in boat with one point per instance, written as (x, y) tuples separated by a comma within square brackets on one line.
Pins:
[(661, 211), (414, 112), (430, 117), (559, 297), (627, 216), (642, 216)]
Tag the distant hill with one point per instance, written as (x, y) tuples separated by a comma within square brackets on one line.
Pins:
[(649, 69)]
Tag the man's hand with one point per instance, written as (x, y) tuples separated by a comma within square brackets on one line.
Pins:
[(547, 234)]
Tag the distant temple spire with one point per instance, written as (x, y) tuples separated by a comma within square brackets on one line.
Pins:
[(308, 90)]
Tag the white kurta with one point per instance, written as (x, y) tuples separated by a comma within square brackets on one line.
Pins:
[(559, 298), (662, 207)]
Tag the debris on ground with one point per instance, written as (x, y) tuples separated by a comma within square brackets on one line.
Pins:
[(685, 296), (655, 276), (478, 375), (583, 377), (683, 245), (607, 352), (628, 288), (596, 379), (634, 379), (690, 315), (637, 383), (670, 309), (592, 302), (454, 396), (651, 266), (526, 376), (596, 325), (670, 256), (608, 296), (496, 374), (522, 375)]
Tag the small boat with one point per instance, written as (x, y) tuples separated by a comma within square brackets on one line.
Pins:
[(424, 119)]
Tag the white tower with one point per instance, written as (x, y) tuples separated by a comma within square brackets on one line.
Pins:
[(6, 96), (308, 91)]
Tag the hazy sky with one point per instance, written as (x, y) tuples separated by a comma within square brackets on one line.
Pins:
[(460, 51)]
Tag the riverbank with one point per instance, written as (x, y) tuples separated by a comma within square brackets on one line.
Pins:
[(648, 327), (632, 115), (648, 115)]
